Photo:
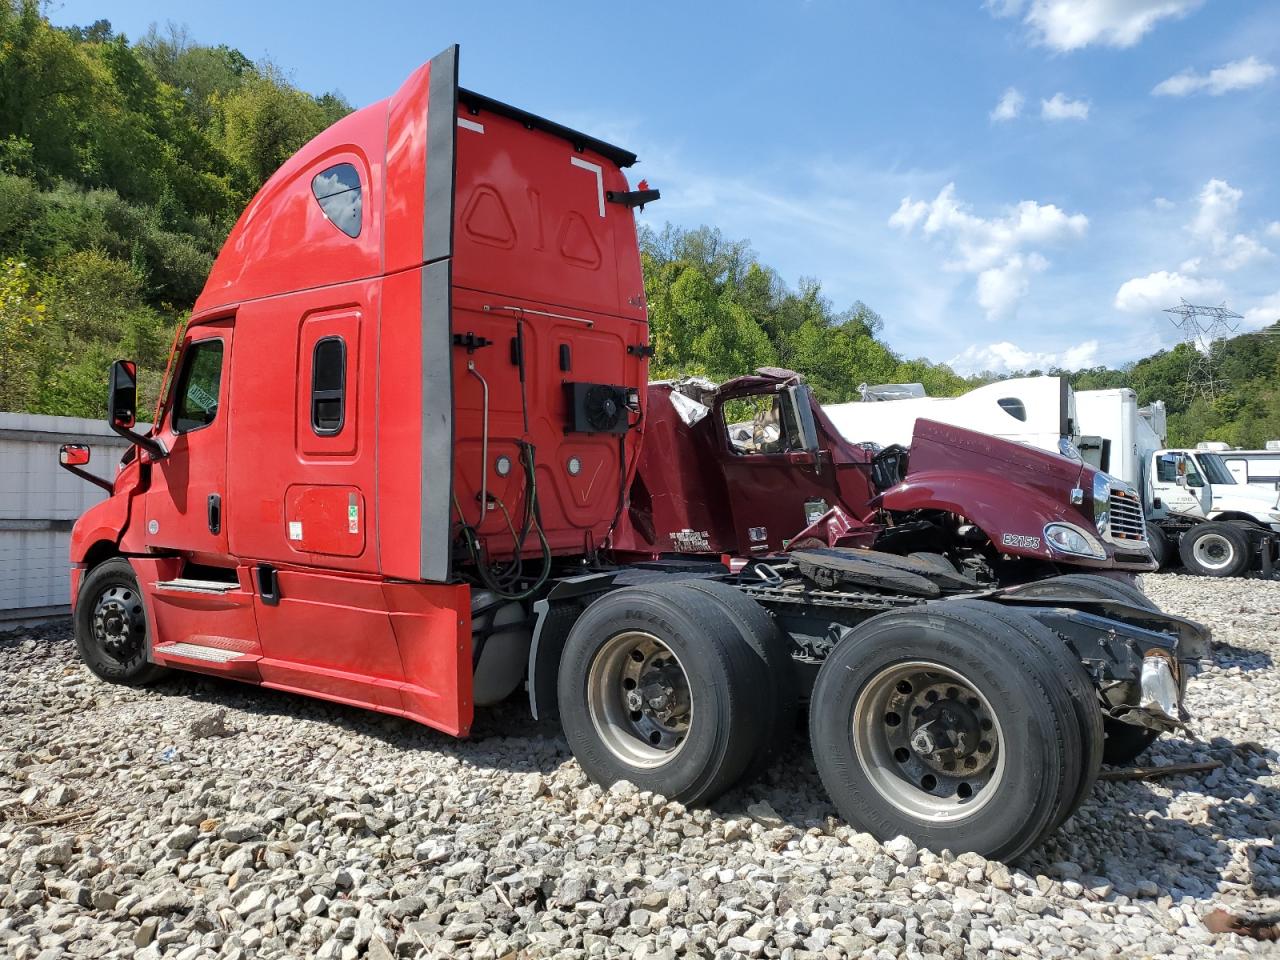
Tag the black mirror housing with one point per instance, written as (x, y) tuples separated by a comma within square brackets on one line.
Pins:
[(122, 407), (122, 400)]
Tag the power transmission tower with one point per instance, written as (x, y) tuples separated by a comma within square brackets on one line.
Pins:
[(1202, 327)]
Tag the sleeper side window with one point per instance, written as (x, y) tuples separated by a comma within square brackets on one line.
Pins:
[(338, 191), (198, 387), (1013, 407), (328, 386)]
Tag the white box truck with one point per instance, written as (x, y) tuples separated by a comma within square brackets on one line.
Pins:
[(1196, 511)]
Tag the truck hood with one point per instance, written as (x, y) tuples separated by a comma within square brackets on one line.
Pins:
[(1051, 467)]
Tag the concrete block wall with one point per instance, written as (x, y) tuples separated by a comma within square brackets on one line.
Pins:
[(39, 502)]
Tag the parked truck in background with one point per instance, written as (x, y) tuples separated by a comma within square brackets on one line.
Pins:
[(399, 461), (1196, 513), (1258, 468)]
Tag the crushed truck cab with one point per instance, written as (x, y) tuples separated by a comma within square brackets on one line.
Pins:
[(755, 466), (406, 459)]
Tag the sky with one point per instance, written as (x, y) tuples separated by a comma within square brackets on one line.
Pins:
[(1009, 184)]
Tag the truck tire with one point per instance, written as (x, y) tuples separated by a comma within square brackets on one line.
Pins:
[(1084, 698), (996, 709), (1122, 742), (657, 686), (773, 648), (1160, 546), (1215, 549), (111, 625)]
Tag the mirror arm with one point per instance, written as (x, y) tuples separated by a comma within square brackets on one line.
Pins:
[(152, 446), (93, 478)]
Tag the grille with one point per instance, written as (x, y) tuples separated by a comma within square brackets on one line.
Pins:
[(1127, 524)]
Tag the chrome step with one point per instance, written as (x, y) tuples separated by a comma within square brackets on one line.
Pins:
[(197, 586), (195, 651)]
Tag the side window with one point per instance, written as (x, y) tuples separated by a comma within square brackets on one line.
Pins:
[(1166, 469), (1013, 407), (197, 392), (328, 386), (760, 425), (338, 191)]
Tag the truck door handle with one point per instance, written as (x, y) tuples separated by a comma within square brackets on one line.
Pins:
[(215, 513), (268, 584)]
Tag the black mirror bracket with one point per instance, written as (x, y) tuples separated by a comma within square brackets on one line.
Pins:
[(93, 478), (154, 447)]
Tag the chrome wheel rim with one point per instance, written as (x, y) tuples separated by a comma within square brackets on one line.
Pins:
[(928, 741), (119, 624), (639, 699), (1213, 551)]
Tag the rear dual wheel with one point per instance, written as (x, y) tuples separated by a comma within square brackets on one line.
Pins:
[(683, 689), (955, 724)]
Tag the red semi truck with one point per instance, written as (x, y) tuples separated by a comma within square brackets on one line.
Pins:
[(396, 467)]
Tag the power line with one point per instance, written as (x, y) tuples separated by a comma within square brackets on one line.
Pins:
[(1202, 328)]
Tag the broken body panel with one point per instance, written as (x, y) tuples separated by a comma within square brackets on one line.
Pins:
[(708, 485)]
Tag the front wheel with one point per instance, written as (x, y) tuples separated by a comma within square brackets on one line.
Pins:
[(948, 726), (111, 625), (1215, 549)]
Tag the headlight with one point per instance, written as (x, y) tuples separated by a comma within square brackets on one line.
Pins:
[(1101, 502), (1065, 538)]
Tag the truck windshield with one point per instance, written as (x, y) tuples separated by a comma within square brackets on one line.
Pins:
[(1214, 469)]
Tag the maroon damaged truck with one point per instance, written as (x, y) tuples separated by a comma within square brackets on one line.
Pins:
[(754, 467)]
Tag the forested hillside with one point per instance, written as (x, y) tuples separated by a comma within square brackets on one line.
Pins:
[(124, 163), (714, 309), (1246, 412)]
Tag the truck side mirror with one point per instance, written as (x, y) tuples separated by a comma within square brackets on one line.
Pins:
[(122, 401), (73, 454), (73, 457), (122, 407)]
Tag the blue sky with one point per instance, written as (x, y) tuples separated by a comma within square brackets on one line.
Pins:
[(1009, 184)]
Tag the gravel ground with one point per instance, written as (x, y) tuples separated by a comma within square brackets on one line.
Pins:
[(201, 818)]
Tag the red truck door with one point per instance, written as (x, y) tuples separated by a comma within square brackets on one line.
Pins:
[(185, 505), (776, 487)]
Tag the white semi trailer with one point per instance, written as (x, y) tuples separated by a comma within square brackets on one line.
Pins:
[(1195, 509)]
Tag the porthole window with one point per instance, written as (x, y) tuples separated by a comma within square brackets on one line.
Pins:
[(1013, 407), (338, 191)]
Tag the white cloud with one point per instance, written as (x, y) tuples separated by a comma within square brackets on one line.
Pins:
[(1219, 202), (1060, 107), (1242, 250), (1006, 357), (1072, 24), (1163, 289), (999, 250), (1001, 288), (1236, 75), (1263, 313), (1273, 229), (1163, 203), (1219, 206), (1010, 106)]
